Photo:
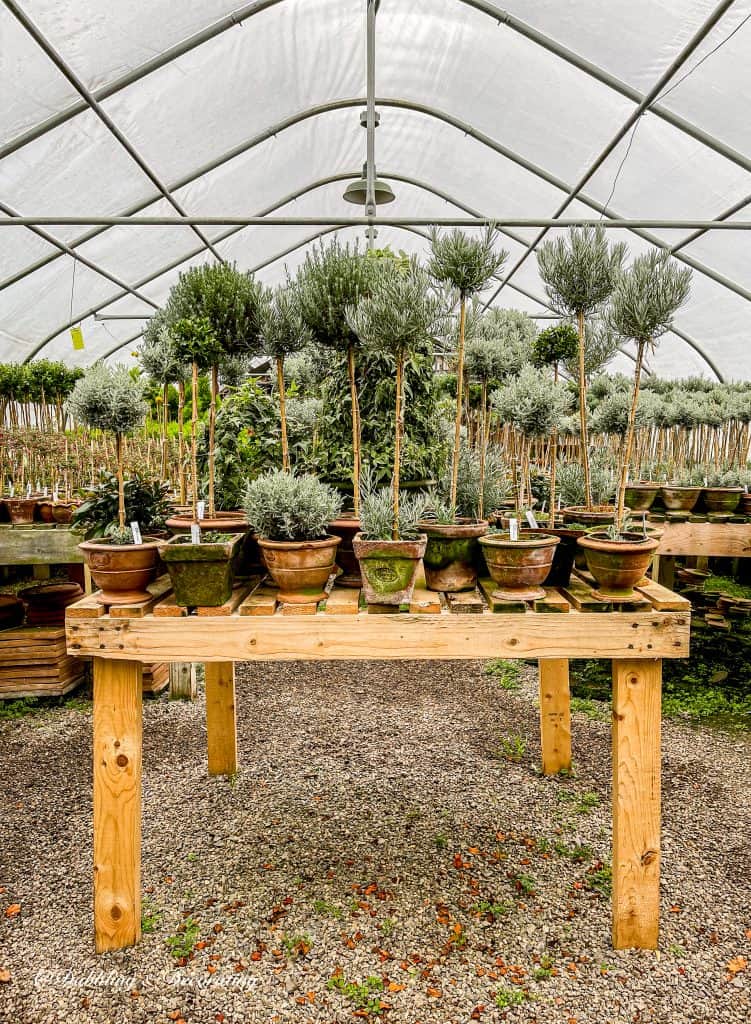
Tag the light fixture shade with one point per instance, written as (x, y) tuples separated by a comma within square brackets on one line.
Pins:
[(356, 192)]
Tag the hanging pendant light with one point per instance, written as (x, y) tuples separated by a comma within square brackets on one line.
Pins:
[(356, 192)]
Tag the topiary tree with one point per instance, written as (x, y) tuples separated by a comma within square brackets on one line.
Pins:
[(398, 316), (483, 361), (579, 274), (642, 306), (229, 301), (332, 279), (556, 345), (112, 400), (466, 264), (159, 359), (282, 333)]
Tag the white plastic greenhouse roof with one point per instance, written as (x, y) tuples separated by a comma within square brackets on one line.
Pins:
[(210, 109)]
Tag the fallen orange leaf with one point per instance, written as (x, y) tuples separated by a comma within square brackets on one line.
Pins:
[(4, 976), (435, 993), (13, 910), (394, 986), (736, 965)]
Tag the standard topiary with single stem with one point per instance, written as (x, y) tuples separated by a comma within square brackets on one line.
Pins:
[(159, 359), (282, 333), (556, 345)]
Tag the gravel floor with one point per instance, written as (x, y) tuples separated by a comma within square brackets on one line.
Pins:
[(377, 852)]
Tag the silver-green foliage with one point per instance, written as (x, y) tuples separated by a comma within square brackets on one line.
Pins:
[(611, 414), (107, 399), (570, 482), (600, 346), (579, 271), (332, 278), (281, 506), (282, 328), (496, 486), (513, 334), (377, 513), (532, 402), (465, 262), (158, 354), (647, 296)]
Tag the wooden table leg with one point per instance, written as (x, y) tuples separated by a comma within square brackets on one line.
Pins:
[(636, 803), (117, 803), (182, 681), (221, 725), (555, 715)]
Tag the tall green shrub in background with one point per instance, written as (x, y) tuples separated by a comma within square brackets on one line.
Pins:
[(282, 333), (579, 273), (556, 345)]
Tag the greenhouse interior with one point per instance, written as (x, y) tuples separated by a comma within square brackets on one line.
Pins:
[(375, 524)]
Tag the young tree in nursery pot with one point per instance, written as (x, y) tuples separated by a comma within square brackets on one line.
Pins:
[(643, 304), (282, 333), (112, 400), (466, 264), (551, 347), (229, 302), (579, 274), (333, 278), (158, 356)]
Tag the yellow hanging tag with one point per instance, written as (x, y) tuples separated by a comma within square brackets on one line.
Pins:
[(76, 336)]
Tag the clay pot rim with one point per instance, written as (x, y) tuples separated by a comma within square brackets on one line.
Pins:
[(345, 520), (538, 540), (637, 545), (298, 545), (723, 490), (104, 545), (43, 590), (698, 488), (181, 540), (643, 485), (10, 600), (600, 509), (462, 527), (186, 519)]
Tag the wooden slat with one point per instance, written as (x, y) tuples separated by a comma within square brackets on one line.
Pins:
[(168, 608), (117, 803), (31, 635), (221, 726), (158, 589), (8, 691), (555, 715), (229, 607), (261, 601), (488, 587), (581, 597), (467, 602), (554, 601), (636, 803), (662, 599), (367, 635), (727, 540), (383, 609), (309, 608), (87, 608), (425, 602), (343, 601)]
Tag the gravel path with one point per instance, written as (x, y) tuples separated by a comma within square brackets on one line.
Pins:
[(376, 850)]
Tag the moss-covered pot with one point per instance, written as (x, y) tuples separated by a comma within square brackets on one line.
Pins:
[(518, 567), (679, 499), (722, 499), (597, 515), (618, 565), (640, 497), (122, 571), (62, 511), (202, 574), (300, 568), (389, 568), (345, 527), (248, 560), (451, 553)]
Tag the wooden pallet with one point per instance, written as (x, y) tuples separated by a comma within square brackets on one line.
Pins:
[(34, 663)]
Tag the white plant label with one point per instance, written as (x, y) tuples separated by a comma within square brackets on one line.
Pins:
[(531, 519), (195, 533), (135, 529), (745, 488), (54, 495), (12, 489), (28, 490), (201, 509), (46, 491), (513, 529), (706, 482)]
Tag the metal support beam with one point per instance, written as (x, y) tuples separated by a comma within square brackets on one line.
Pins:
[(64, 68), (653, 94), (735, 208), (370, 122)]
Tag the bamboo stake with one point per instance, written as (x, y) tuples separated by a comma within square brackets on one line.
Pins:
[(356, 437), (180, 438), (212, 431), (193, 434), (282, 410), (459, 396), (397, 444)]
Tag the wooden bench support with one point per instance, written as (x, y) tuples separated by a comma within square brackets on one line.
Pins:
[(221, 725), (555, 715), (636, 803), (182, 681), (117, 803)]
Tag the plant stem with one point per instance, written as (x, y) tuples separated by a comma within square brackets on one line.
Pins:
[(282, 411), (619, 516), (553, 458), (483, 442), (180, 438), (120, 482), (356, 457), (193, 444), (212, 431), (459, 397), (165, 417), (398, 444), (584, 440)]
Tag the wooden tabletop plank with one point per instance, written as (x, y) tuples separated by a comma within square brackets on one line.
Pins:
[(169, 608), (261, 601), (554, 601), (662, 599), (158, 589), (343, 601), (495, 604), (425, 602), (467, 602)]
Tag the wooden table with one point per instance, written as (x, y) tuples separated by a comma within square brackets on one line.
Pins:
[(41, 545), (569, 623), (698, 539)]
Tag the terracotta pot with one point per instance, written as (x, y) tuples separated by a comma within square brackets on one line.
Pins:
[(640, 497), (519, 566), (618, 565), (21, 510), (11, 611), (346, 527), (300, 568), (451, 553), (722, 499), (47, 602), (389, 568), (222, 522), (676, 498), (744, 505), (598, 515), (122, 571), (202, 574), (62, 512), (44, 510)]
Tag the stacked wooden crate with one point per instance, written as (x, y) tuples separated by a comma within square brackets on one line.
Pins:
[(34, 663)]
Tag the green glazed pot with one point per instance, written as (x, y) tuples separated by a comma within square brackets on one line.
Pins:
[(202, 574), (722, 499), (389, 568), (451, 554), (640, 497)]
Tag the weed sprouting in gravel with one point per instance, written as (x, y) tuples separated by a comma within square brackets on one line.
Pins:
[(512, 748), (545, 969), (296, 945), (151, 916), (485, 907), (328, 909), (363, 995), (525, 884), (508, 673), (182, 942), (441, 842), (506, 997), (599, 879)]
